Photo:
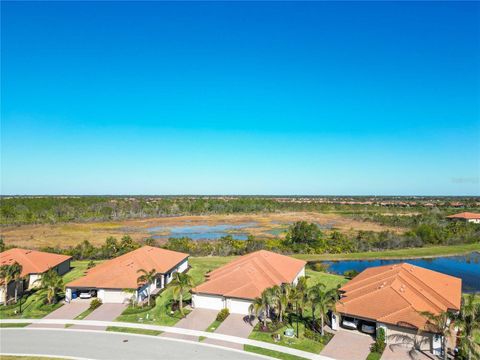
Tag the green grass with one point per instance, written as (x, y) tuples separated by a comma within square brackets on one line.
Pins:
[(2, 325), (160, 314), (33, 302), (301, 343), (374, 356), (134, 331), (271, 353), (84, 314), (213, 326), (431, 251), (331, 281)]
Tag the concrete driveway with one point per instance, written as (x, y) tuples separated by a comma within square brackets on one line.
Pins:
[(348, 345), (198, 319), (235, 325), (402, 353), (106, 312), (67, 311)]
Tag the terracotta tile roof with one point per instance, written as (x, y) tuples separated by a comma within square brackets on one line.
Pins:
[(32, 261), (122, 272), (465, 215), (247, 276), (396, 294)]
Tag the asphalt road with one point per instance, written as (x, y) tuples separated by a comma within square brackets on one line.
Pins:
[(108, 346)]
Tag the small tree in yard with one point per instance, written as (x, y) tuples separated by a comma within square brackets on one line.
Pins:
[(181, 283), (7, 275), (52, 283), (16, 270), (440, 324), (323, 300), (261, 306), (468, 320), (147, 277)]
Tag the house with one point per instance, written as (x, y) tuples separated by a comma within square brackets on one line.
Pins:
[(235, 285), (34, 264), (466, 216), (392, 297), (116, 280)]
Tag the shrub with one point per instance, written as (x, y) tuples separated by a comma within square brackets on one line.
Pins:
[(91, 264), (350, 274), (95, 303), (222, 315), (315, 336), (379, 345), (319, 266)]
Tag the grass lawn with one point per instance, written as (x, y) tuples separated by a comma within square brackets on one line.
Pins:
[(329, 280), (134, 331), (431, 251), (33, 303), (13, 325), (160, 313), (271, 353), (84, 314), (301, 343), (374, 356)]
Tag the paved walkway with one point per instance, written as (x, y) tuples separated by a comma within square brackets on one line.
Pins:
[(106, 312), (176, 330), (66, 311), (234, 325), (102, 345), (348, 345), (198, 319)]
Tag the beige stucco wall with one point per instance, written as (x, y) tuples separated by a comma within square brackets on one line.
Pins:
[(424, 340)]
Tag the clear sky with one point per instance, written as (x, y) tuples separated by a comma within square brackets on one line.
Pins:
[(240, 98)]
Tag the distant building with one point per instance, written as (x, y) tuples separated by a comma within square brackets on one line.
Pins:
[(34, 264), (392, 297), (467, 217)]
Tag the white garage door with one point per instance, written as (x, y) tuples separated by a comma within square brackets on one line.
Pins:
[(207, 302), (114, 296), (237, 306)]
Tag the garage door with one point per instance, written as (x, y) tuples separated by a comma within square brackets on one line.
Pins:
[(207, 302), (113, 296), (237, 306)]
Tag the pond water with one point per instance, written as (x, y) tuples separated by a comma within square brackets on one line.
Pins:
[(466, 267), (203, 232)]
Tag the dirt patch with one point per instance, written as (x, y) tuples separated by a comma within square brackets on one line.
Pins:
[(264, 225)]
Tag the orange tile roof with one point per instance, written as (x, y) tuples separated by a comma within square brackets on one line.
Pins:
[(247, 276), (396, 294), (122, 272), (32, 261), (465, 215)]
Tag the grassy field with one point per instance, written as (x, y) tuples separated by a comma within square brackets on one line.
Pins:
[(262, 225), (33, 304), (134, 331), (431, 251)]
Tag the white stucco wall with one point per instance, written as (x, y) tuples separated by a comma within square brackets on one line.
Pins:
[(299, 275), (10, 292), (238, 306), (34, 280), (208, 301), (183, 266), (391, 331)]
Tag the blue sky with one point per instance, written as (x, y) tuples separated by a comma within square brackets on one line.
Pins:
[(240, 98)]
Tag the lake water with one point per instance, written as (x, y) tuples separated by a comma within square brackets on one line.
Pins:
[(203, 232), (466, 267)]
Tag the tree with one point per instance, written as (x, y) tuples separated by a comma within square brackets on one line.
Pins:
[(181, 283), (7, 276), (260, 306), (303, 233), (439, 324), (280, 300), (147, 277), (16, 271), (299, 294), (468, 320), (52, 283), (323, 300)]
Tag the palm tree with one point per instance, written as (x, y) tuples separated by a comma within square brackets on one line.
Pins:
[(439, 324), (468, 320), (299, 295), (260, 306), (52, 283), (16, 271), (181, 283), (6, 274), (147, 277), (324, 300), (280, 300)]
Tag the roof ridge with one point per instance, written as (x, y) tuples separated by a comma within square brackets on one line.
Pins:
[(397, 311), (265, 264), (392, 268), (418, 293), (435, 293)]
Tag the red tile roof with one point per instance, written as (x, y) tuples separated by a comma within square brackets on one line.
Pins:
[(32, 261), (122, 272), (247, 276), (396, 294), (465, 215)]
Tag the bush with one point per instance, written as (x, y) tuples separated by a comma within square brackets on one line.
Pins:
[(95, 303), (222, 315), (350, 274), (319, 266), (315, 336), (379, 345)]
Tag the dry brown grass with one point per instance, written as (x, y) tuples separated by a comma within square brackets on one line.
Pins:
[(64, 235)]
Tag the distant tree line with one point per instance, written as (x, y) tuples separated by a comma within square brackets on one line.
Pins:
[(52, 209)]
